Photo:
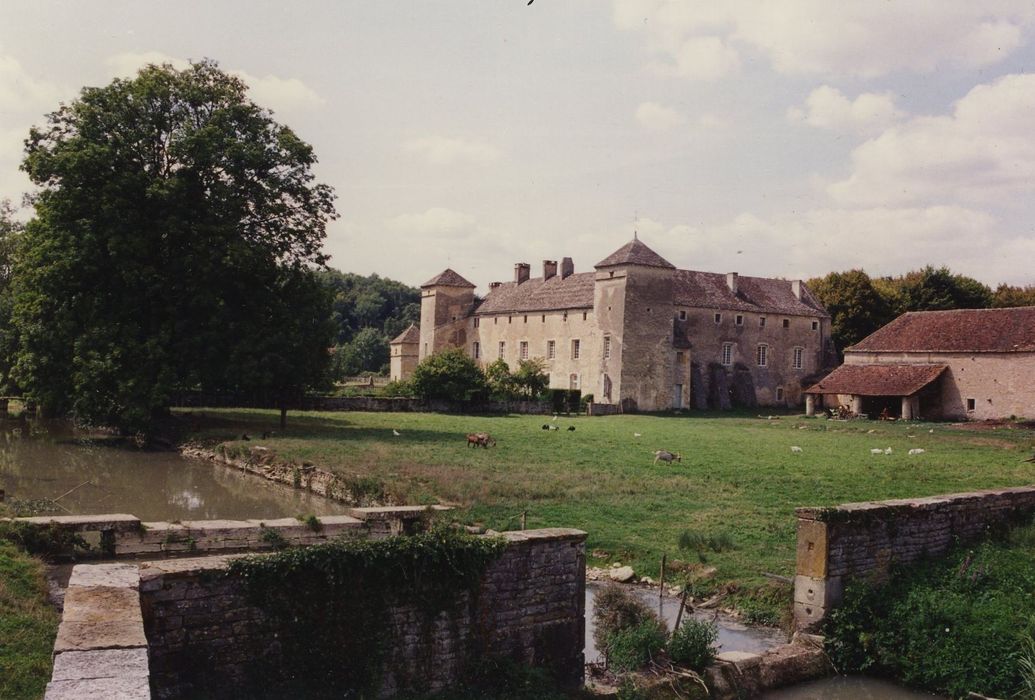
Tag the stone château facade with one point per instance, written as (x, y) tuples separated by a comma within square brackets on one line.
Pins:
[(636, 332)]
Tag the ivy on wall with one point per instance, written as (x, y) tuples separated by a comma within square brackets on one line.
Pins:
[(329, 604)]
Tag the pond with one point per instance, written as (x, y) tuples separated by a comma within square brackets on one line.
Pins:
[(733, 635), (848, 688), (86, 474)]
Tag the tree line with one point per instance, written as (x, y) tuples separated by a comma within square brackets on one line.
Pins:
[(859, 304)]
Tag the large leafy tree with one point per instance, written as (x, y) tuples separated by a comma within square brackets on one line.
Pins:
[(9, 230), (856, 307), (937, 289), (176, 228)]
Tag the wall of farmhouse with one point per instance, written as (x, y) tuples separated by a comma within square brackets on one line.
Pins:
[(779, 372), (647, 352), (999, 384), (537, 329), (443, 318)]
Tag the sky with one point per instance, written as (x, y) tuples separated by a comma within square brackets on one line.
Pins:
[(779, 138)]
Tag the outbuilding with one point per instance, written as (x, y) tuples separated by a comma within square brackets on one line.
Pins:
[(961, 364)]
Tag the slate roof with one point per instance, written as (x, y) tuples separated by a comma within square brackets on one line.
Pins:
[(635, 252), (756, 294), (962, 330), (573, 292), (447, 278), (410, 335), (877, 380)]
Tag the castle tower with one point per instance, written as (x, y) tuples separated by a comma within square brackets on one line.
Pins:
[(445, 302), (633, 304)]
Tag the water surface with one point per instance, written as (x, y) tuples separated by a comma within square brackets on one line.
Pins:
[(86, 474), (733, 635), (847, 688)]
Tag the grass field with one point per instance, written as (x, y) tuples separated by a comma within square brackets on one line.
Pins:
[(737, 485), (28, 624)]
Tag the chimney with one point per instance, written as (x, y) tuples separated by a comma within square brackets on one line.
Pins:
[(521, 272), (567, 268), (796, 288), (731, 281), (549, 269), (494, 285)]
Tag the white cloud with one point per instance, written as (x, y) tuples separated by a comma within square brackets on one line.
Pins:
[(984, 151), (828, 108), (866, 39), (656, 117), (436, 221), (442, 150), (126, 65), (270, 91), (706, 58)]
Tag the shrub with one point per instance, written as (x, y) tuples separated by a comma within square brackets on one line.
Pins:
[(627, 631), (450, 374), (693, 644), (632, 647)]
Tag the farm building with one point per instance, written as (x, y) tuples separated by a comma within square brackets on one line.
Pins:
[(963, 364), (636, 332)]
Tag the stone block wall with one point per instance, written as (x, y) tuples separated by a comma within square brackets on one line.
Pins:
[(863, 540), (530, 607)]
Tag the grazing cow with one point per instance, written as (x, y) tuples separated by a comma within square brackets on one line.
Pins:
[(795, 448), (666, 456), (480, 440)]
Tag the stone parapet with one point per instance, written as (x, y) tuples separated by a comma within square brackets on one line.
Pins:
[(101, 652), (836, 545)]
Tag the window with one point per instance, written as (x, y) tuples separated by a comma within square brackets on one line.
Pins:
[(575, 349), (815, 325), (682, 315), (565, 316), (544, 318), (971, 404), (551, 349), (476, 350), (477, 322), (779, 394), (718, 318), (787, 323), (763, 355), (740, 319), (727, 354), (510, 319), (796, 360), (503, 349), (607, 346), (583, 315), (679, 358), (495, 320), (761, 321), (526, 319), (425, 349), (523, 350)]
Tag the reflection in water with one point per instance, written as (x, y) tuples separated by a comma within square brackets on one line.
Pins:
[(46, 460), (847, 688), (733, 636)]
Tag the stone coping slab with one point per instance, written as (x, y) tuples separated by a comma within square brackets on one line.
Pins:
[(121, 522), (102, 663), (394, 512), (110, 575), (818, 513), (100, 603), (546, 533), (94, 634), (131, 688)]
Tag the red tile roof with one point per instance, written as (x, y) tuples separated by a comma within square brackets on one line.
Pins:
[(757, 294), (410, 335), (877, 380), (573, 292), (447, 278), (635, 252), (962, 330)]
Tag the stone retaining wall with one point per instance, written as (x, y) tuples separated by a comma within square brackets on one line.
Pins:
[(204, 635), (123, 535), (367, 403), (857, 540)]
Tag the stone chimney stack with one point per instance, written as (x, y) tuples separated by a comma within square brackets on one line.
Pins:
[(494, 285), (549, 269), (521, 272), (731, 281), (796, 288), (567, 268)]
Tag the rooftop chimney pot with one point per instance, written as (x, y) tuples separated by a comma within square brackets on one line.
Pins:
[(731, 281), (549, 269), (796, 288), (567, 267), (522, 272)]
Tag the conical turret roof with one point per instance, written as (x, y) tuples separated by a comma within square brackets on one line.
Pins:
[(635, 252), (447, 278)]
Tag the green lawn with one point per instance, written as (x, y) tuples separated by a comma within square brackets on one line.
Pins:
[(738, 475), (28, 625)]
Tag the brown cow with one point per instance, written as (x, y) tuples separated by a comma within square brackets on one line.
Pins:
[(480, 439)]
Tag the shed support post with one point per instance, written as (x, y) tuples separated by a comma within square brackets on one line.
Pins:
[(907, 408), (810, 404), (857, 404)]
